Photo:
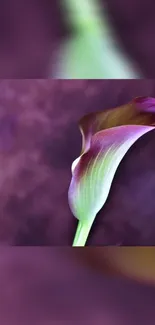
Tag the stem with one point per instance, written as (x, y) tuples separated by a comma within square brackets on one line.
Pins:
[(95, 42), (82, 233)]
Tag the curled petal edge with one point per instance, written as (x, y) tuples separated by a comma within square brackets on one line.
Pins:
[(139, 111)]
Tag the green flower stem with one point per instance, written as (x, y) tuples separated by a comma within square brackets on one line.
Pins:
[(93, 52), (82, 233)]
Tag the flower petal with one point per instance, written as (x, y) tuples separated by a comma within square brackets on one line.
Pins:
[(140, 111), (145, 104), (94, 172)]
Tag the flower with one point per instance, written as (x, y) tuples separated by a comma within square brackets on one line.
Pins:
[(106, 137)]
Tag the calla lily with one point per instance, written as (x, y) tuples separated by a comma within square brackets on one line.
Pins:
[(106, 137)]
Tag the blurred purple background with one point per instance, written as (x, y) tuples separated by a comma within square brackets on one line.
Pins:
[(31, 32), (39, 139), (134, 25), (45, 286)]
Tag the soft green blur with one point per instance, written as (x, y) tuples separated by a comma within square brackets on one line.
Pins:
[(93, 53)]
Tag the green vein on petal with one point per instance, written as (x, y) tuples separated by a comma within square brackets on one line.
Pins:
[(94, 171)]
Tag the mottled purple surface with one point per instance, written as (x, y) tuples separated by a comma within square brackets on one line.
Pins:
[(31, 32), (37, 146), (45, 286)]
